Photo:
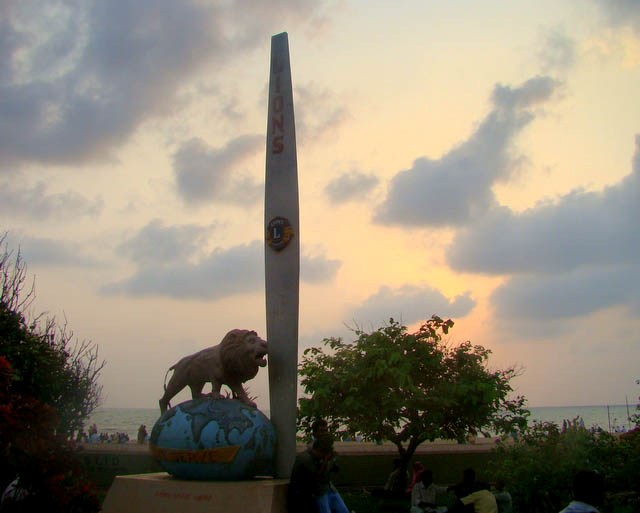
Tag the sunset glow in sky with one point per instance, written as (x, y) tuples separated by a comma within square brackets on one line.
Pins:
[(474, 160)]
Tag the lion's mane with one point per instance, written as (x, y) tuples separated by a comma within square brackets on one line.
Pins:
[(237, 355)]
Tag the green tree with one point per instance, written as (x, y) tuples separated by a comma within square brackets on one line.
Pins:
[(48, 388), (407, 387), (50, 475), (49, 364), (538, 470)]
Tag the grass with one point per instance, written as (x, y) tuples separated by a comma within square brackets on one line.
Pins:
[(361, 500)]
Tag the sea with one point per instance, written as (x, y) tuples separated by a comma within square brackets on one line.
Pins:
[(610, 418)]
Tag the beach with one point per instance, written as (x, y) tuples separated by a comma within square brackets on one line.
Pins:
[(608, 418)]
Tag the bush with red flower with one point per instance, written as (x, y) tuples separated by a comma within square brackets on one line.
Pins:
[(48, 388)]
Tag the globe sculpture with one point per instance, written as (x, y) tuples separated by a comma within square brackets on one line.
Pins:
[(214, 440)]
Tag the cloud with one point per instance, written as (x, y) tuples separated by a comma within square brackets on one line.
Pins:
[(621, 13), (222, 273), (570, 258), (350, 187), (577, 230), (204, 173), (43, 252), (317, 269), (36, 203), (219, 274), (558, 51), (77, 78), (157, 243), (318, 113), (455, 189), (568, 295), (410, 304)]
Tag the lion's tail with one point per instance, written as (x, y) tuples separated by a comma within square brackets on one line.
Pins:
[(164, 385), (165, 377)]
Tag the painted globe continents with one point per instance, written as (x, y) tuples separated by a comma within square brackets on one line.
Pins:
[(214, 440)]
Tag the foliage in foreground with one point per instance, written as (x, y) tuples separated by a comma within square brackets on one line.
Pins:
[(48, 388), (539, 469), (407, 387), (48, 363), (51, 476)]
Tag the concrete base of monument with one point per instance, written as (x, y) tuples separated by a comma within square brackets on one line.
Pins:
[(162, 493)]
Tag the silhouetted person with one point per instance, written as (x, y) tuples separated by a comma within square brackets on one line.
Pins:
[(467, 485), (310, 487), (142, 434), (395, 485), (416, 470), (588, 493), (319, 428), (424, 494), (466, 489), (503, 498)]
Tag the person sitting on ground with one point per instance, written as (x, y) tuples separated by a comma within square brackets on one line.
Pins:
[(417, 469), (467, 485), (503, 498), (397, 480), (395, 484), (482, 501), (588, 493), (473, 496), (423, 495), (319, 428), (310, 489)]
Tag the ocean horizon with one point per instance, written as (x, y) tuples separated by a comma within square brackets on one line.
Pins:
[(607, 417)]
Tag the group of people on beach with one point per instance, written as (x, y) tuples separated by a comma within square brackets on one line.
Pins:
[(312, 491), (94, 436)]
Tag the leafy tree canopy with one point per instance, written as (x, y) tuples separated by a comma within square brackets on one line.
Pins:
[(407, 387), (48, 363), (48, 388), (538, 470)]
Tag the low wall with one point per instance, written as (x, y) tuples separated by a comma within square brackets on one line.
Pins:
[(359, 464), (373, 469), (104, 464)]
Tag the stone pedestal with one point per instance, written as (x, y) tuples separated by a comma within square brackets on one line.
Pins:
[(162, 493)]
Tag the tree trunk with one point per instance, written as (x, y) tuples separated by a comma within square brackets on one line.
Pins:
[(405, 455)]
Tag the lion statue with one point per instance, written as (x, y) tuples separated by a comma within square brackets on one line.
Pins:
[(232, 362)]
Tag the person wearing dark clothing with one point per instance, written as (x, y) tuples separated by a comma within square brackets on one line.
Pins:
[(320, 427), (588, 492), (310, 489), (467, 485), (473, 496), (142, 434)]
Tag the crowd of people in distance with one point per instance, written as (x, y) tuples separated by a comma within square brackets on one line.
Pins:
[(93, 436), (312, 491)]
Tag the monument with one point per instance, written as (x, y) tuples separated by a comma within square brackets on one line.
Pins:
[(214, 440), (232, 362), (218, 452), (214, 448), (282, 254)]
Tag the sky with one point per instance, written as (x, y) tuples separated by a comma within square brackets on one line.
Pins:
[(479, 161)]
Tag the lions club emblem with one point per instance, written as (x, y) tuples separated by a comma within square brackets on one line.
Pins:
[(279, 233)]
